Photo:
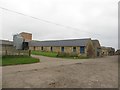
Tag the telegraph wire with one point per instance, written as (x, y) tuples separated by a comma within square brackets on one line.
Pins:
[(47, 21)]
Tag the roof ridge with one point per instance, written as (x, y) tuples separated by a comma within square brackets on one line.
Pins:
[(64, 40)]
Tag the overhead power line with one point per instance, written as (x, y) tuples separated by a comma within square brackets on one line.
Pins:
[(48, 21)]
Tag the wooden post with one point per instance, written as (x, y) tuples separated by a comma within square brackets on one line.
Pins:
[(29, 52), (5, 52), (19, 52)]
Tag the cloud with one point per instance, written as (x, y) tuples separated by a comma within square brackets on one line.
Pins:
[(93, 18)]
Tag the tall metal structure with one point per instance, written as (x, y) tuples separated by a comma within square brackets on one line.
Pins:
[(18, 41)]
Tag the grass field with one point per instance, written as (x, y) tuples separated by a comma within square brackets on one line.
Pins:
[(49, 54), (14, 60)]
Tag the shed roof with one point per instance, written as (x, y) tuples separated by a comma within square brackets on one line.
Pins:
[(96, 43), (69, 42), (6, 42), (25, 33)]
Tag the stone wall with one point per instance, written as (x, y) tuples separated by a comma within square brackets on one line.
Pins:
[(104, 52), (97, 48), (57, 49), (90, 50), (10, 50), (31, 48)]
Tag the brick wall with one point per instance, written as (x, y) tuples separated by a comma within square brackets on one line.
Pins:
[(26, 36)]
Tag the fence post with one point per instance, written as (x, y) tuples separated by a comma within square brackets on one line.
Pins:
[(19, 52), (5, 52), (29, 52)]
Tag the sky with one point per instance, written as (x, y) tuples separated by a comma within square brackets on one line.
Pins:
[(69, 19)]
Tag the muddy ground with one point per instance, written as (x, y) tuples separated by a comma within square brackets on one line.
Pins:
[(63, 73)]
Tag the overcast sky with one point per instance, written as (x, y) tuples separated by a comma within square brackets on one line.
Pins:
[(96, 19)]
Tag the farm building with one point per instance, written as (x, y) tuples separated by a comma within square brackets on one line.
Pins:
[(97, 47), (26, 36), (107, 51), (7, 48), (117, 52), (83, 47), (104, 51), (111, 51), (5, 45)]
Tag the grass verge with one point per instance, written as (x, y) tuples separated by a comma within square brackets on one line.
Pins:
[(49, 54), (15, 60), (56, 55)]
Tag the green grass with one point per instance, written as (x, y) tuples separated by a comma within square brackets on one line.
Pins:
[(49, 54), (15, 60), (53, 54)]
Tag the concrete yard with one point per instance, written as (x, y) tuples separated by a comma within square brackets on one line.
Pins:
[(63, 73)]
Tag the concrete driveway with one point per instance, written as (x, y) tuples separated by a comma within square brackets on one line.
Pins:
[(63, 73)]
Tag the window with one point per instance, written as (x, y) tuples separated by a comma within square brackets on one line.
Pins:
[(62, 49), (51, 48), (41, 48), (82, 49), (74, 49)]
